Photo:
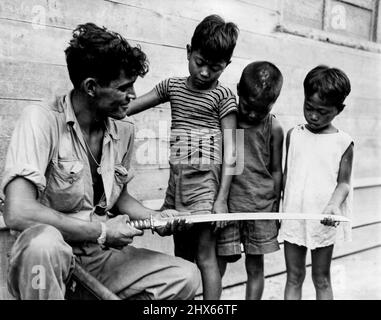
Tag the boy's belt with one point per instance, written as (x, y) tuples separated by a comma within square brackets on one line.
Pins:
[(153, 223)]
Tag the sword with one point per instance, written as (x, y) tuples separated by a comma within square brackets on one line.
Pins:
[(153, 222)]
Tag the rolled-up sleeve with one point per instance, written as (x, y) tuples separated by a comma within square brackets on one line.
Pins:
[(30, 147)]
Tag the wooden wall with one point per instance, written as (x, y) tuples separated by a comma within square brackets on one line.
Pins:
[(33, 35)]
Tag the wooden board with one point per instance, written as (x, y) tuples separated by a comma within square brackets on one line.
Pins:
[(6, 242), (366, 211)]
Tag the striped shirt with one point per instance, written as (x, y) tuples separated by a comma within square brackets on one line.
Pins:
[(196, 119)]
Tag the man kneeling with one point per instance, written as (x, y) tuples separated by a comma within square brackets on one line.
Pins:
[(66, 177)]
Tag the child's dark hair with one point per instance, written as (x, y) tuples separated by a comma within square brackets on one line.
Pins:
[(215, 38), (97, 52), (332, 85), (262, 80)]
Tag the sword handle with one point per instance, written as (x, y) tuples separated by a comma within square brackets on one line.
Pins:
[(142, 224)]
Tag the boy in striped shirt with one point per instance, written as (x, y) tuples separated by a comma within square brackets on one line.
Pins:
[(202, 156)]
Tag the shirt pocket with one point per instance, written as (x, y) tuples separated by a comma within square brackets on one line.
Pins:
[(121, 177), (65, 189)]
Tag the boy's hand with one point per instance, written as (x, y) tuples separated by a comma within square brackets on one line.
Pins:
[(331, 210), (176, 225), (220, 207)]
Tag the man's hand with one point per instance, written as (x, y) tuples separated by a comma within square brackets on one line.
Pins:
[(331, 210), (220, 207), (173, 226), (119, 233)]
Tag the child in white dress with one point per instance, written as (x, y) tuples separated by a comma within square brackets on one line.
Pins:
[(317, 180)]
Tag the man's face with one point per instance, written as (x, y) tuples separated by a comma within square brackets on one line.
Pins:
[(112, 100), (204, 73)]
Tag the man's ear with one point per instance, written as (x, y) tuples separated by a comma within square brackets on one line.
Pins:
[(340, 110), (89, 86), (189, 50)]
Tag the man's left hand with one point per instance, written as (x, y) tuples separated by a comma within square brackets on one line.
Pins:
[(176, 225)]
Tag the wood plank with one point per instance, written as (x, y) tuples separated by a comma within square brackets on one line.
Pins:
[(32, 80), (171, 6), (274, 262), (179, 17), (364, 205), (378, 23), (6, 241), (358, 21), (68, 14), (35, 40), (367, 4), (308, 13), (254, 16), (183, 38), (20, 42), (169, 61), (11, 107)]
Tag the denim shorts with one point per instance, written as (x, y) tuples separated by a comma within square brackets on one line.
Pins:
[(256, 236), (191, 188)]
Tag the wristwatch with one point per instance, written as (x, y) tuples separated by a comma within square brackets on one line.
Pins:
[(102, 238)]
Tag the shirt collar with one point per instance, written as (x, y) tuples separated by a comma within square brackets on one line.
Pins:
[(112, 128), (68, 110), (71, 119)]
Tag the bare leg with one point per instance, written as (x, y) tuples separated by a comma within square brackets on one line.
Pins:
[(206, 259), (222, 264), (321, 277), (296, 270), (255, 277)]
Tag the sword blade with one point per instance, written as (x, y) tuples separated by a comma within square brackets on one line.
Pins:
[(245, 216)]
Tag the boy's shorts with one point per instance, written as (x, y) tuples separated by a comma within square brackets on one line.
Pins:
[(257, 236), (191, 188)]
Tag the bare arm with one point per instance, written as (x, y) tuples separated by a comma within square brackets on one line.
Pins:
[(276, 159), (146, 101), (128, 205), (228, 123), (343, 183), (285, 165), (133, 208), (23, 210)]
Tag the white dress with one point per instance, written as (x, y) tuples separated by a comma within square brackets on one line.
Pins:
[(312, 169)]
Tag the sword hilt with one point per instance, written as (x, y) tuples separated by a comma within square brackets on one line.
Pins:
[(142, 224)]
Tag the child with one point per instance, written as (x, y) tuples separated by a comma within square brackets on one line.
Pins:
[(201, 110), (317, 180), (258, 187)]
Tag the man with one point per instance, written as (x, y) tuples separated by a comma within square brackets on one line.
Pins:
[(65, 182)]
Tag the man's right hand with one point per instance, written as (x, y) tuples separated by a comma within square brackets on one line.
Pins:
[(119, 233)]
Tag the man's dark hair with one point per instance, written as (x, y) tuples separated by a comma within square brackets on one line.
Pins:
[(263, 80), (215, 38), (99, 53), (332, 85)]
